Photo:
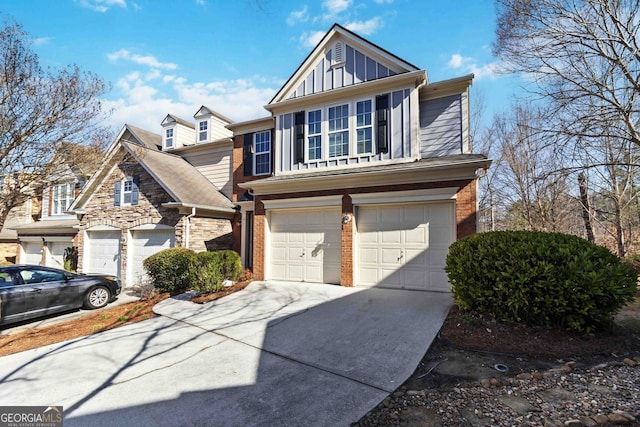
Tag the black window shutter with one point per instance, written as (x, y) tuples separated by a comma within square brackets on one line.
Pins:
[(382, 118), (247, 155), (116, 193), (299, 147), (135, 190)]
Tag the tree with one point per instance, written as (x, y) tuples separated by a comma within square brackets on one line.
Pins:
[(581, 55), (39, 111)]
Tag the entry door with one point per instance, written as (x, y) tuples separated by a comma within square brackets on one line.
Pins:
[(405, 245), (306, 245)]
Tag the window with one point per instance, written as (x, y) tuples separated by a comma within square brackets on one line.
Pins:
[(314, 135), (168, 139), (203, 131), (364, 127), (126, 192), (338, 130), (62, 198), (262, 153)]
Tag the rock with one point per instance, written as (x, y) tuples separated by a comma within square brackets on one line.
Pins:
[(524, 376), (573, 423), (486, 383), (618, 419), (419, 416), (227, 283), (549, 423), (599, 367), (415, 393), (625, 414), (587, 421), (601, 419), (566, 369), (536, 375), (518, 404), (630, 362), (495, 382), (557, 395)]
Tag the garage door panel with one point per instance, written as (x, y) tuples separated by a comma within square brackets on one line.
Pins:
[(312, 245), (32, 253), (407, 247), (144, 244), (103, 252)]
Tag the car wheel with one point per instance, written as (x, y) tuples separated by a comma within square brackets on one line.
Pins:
[(97, 297)]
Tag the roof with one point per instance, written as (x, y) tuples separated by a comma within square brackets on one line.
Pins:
[(49, 226), (213, 113), (8, 235), (180, 121), (184, 183), (148, 139)]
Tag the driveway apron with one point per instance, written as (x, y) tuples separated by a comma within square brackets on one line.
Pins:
[(275, 353)]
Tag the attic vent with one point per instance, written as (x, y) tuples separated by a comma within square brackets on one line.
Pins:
[(338, 53)]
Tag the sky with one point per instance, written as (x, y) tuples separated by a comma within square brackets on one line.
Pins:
[(162, 56)]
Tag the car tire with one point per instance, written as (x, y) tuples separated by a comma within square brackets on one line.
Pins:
[(97, 297)]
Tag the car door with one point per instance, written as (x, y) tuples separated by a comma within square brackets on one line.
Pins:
[(12, 305), (47, 291)]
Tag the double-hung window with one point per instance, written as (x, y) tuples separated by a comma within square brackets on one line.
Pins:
[(314, 135), (127, 190), (338, 132), (168, 139), (203, 131), (262, 153), (62, 198), (364, 127)]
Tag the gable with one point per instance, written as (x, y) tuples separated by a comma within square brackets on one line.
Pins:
[(341, 59)]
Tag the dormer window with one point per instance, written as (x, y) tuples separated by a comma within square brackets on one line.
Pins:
[(168, 138), (203, 131)]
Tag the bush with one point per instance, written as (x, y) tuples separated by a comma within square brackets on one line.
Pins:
[(539, 279), (231, 265), (171, 269), (207, 272)]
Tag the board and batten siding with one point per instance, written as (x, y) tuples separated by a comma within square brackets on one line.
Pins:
[(357, 68), (399, 137), (215, 164), (441, 126)]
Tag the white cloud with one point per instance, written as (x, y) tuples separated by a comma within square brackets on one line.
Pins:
[(298, 16), (312, 38), (366, 27), (334, 7), (148, 60), (101, 5), (470, 65), (39, 41)]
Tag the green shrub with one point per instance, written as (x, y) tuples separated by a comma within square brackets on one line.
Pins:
[(207, 272), (171, 269), (539, 279), (231, 265)]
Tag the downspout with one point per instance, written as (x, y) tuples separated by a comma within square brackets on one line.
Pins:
[(186, 226)]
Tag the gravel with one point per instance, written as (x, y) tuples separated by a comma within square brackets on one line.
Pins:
[(605, 394)]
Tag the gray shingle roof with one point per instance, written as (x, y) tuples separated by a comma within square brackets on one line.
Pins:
[(181, 180)]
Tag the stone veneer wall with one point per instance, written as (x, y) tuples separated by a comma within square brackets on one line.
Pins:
[(209, 234)]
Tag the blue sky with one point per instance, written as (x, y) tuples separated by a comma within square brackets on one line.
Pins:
[(173, 56)]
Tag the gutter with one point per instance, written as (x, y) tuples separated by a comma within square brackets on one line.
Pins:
[(186, 226)]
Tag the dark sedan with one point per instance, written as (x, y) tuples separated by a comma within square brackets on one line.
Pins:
[(29, 291)]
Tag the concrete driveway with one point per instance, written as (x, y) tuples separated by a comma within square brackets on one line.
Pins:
[(274, 353)]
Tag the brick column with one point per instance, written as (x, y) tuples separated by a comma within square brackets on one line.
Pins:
[(346, 267), (466, 210), (259, 228)]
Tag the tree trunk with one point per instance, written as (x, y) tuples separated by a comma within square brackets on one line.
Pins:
[(584, 198)]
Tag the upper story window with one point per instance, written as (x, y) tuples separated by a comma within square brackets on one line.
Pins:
[(262, 153), (168, 138), (314, 135), (338, 132), (61, 198), (364, 127), (126, 192), (203, 131)]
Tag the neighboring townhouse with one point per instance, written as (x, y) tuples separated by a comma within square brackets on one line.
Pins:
[(157, 191), (45, 241), (362, 175), (26, 213)]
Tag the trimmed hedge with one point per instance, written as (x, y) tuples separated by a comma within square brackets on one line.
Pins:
[(179, 269), (171, 269), (539, 279)]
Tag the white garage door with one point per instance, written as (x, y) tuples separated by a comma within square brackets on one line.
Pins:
[(32, 253), (56, 253), (306, 245), (144, 244), (405, 246), (102, 252)]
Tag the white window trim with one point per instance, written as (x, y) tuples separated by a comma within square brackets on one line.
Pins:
[(122, 192), (206, 138), (173, 137), (353, 139), (255, 153), (68, 197)]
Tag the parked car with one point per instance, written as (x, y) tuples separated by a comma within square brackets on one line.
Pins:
[(29, 291)]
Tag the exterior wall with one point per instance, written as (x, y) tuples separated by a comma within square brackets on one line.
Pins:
[(214, 162), (9, 252), (399, 135), (465, 218), (441, 122), (238, 171), (183, 136), (356, 68), (209, 234), (217, 129)]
